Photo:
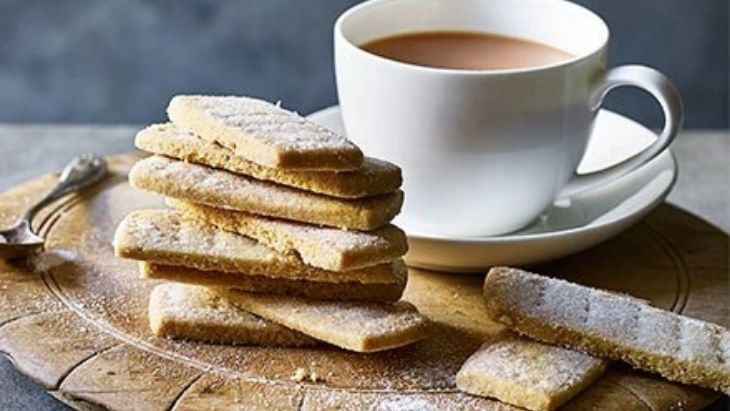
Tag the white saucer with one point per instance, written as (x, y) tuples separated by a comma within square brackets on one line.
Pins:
[(570, 225)]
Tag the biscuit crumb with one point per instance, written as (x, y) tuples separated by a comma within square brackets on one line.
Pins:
[(299, 375), (313, 376)]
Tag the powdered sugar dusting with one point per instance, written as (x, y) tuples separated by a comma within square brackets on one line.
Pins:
[(267, 122), (404, 403), (199, 304), (178, 309), (529, 365), (324, 247), (202, 184), (167, 237), (358, 326), (330, 237), (373, 177), (49, 260)]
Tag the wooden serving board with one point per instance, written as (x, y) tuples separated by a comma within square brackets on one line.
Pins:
[(74, 319)]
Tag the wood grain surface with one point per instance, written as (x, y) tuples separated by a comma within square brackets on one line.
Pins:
[(74, 319)]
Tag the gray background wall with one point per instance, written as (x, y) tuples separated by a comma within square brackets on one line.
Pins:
[(120, 61)]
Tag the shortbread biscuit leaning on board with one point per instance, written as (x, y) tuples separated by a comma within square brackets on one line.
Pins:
[(186, 312), (168, 237), (354, 326), (373, 178), (264, 133), (609, 325), (323, 247), (344, 291), (218, 188), (528, 373)]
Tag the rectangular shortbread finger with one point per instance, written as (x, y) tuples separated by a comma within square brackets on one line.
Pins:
[(528, 373), (219, 188), (355, 326), (373, 178), (323, 247), (264, 133), (167, 237), (185, 312), (612, 326), (343, 291)]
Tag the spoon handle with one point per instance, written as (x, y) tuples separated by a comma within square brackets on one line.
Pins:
[(81, 172)]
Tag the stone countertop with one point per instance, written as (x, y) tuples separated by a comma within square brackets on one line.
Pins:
[(703, 187)]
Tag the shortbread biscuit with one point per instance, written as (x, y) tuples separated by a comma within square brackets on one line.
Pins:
[(323, 247), (528, 373), (264, 133), (609, 325), (343, 291), (167, 237), (186, 312), (355, 326), (373, 178), (218, 188)]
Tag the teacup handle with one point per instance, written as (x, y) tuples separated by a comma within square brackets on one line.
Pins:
[(662, 89)]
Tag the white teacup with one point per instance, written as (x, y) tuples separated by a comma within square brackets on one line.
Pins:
[(484, 152)]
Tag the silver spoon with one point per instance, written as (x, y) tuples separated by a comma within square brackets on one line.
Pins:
[(81, 172)]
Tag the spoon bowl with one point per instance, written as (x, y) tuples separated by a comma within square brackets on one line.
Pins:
[(19, 241)]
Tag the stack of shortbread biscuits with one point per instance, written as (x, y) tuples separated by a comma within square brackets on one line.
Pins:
[(278, 234)]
